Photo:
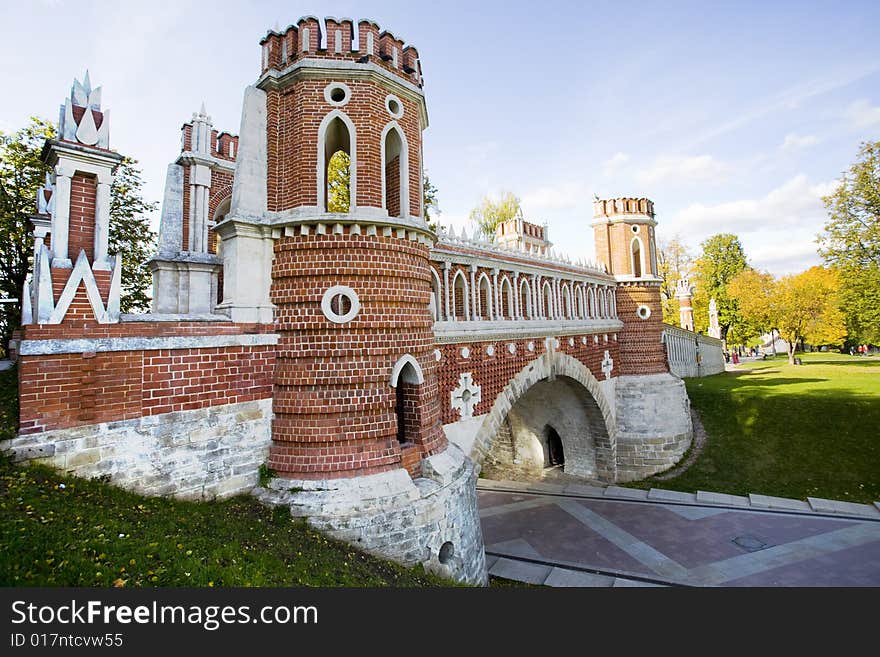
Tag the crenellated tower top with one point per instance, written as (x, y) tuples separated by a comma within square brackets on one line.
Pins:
[(340, 39), (624, 208)]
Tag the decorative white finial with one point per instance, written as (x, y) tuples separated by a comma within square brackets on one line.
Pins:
[(85, 130)]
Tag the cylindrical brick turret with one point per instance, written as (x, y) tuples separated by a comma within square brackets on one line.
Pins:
[(355, 388)]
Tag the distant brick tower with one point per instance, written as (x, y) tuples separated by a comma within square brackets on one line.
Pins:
[(357, 415), (654, 424), (685, 295), (623, 229)]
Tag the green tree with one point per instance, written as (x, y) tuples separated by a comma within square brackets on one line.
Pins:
[(752, 290), (21, 174), (722, 258), (338, 182), (674, 262), (131, 237), (430, 205), (489, 213), (851, 243)]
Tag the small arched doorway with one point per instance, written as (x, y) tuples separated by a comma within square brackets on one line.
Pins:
[(555, 456)]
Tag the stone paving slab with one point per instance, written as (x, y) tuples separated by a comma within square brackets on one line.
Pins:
[(520, 571), (722, 498), (632, 583), (679, 543), (771, 502), (626, 493), (584, 490), (671, 496), (836, 506), (575, 578)]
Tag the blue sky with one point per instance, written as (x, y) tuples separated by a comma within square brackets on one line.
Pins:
[(731, 116)]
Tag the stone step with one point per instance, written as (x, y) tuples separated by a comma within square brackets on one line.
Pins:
[(771, 502), (849, 508), (520, 571), (626, 493)]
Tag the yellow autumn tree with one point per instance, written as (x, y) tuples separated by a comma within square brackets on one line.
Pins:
[(752, 291), (806, 306)]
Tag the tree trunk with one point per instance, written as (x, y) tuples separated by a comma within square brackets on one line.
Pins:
[(791, 348)]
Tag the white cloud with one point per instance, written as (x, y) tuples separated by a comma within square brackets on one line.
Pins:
[(555, 197), (780, 255), (794, 142), (790, 204), (614, 163), (862, 114), (682, 169)]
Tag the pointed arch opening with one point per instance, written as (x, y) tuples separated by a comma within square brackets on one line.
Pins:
[(566, 302), (581, 306), (406, 377), (337, 163), (460, 305), (395, 171), (484, 298), (506, 301), (637, 257), (547, 300), (434, 303), (525, 299)]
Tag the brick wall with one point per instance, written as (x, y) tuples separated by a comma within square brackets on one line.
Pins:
[(294, 116), (493, 373), (641, 345), (69, 390), (83, 194)]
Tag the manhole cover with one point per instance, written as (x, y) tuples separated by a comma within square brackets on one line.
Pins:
[(750, 543)]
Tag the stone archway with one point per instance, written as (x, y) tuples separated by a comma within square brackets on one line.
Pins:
[(553, 390)]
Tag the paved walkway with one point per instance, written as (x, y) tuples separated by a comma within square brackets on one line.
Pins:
[(585, 536)]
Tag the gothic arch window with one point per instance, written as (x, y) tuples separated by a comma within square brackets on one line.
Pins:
[(603, 303), (547, 300), (612, 298), (395, 171), (460, 305), (436, 307), (581, 306), (566, 302), (506, 301), (406, 379), (592, 299), (484, 298), (637, 258), (336, 135), (525, 299)]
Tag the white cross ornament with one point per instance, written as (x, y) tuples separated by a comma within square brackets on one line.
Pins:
[(466, 397), (607, 365)]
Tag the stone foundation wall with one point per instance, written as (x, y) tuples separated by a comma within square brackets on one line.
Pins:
[(199, 454), (654, 427), (430, 520)]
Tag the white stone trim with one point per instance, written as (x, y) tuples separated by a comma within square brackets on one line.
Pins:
[(328, 94), (406, 359), (327, 299), (399, 113), (84, 345), (451, 331)]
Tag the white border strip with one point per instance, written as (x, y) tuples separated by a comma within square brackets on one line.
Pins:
[(84, 345)]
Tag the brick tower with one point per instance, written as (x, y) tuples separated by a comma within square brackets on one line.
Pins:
[(357, 416), (654, 424), (624, 234)]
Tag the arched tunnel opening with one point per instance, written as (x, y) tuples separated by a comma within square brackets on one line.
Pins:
[(552, 428)]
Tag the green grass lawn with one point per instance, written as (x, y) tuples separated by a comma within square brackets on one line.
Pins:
[(59, 530), (792, 431)]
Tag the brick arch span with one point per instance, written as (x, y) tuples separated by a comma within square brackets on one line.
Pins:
[(549, 367)]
